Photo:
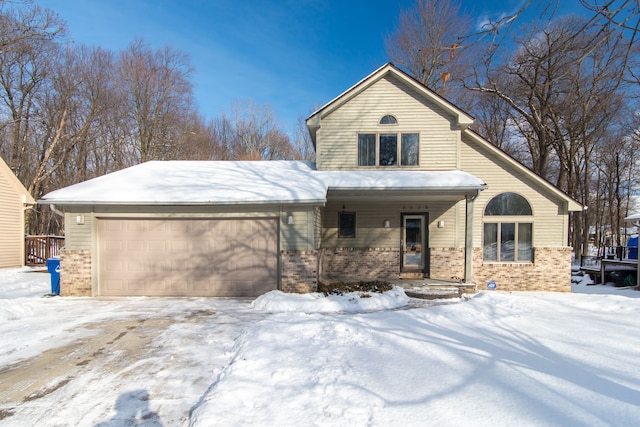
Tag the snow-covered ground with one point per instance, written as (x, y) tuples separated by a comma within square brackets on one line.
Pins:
[(496, 358)]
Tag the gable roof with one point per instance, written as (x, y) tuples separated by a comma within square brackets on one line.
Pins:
[(313, 121), (15, 183), (246, 182), (572, 204)]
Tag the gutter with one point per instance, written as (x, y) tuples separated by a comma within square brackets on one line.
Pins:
[(169, 203), (416, 189)]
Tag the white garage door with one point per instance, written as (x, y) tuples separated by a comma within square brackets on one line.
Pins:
[(178, 257)]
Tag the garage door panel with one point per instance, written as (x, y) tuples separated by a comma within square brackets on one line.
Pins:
[(179, 288), (187, 257), (132, 226), (201, 286)]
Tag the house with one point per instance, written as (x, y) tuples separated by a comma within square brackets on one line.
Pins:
[(14, 199), (401, 188)]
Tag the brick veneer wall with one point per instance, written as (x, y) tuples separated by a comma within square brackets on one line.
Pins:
[(446, 263), (299, 271), (360, 263), (75, 273), (551, 270)]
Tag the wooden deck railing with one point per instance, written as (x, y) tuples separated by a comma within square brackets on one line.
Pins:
[(39, 248)]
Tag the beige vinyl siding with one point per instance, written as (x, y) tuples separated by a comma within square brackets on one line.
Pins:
[(78, 236), (452, 234), (370, 216), (300, 235), (370, 232), (11, 225), (549, 212), (337, 137)]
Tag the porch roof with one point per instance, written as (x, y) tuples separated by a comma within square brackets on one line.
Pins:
[(251, 182), (400, 180), (394, 185)]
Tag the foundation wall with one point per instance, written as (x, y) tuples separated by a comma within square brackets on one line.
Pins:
[(360, 263), (299, 271), (75, 273)]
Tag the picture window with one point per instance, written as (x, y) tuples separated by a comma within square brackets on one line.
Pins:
[(508, 240)]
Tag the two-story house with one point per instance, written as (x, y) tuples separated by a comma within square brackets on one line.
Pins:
[(401, 188)]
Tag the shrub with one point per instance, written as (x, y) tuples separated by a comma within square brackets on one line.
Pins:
[(341, 288)]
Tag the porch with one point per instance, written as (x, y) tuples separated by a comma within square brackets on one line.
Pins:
[(40, 248), (610, 269)]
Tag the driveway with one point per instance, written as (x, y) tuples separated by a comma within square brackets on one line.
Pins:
[(130, 361)]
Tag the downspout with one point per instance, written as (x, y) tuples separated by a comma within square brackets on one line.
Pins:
[(56, 210), (25, 207)]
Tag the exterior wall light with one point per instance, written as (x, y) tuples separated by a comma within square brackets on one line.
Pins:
[(80, 219), (440, 224), (290, 220), (386, 223)]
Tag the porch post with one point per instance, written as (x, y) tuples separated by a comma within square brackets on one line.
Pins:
[(468, 239)]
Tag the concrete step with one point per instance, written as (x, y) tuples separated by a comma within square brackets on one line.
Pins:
[(412, 276), (430, 293)]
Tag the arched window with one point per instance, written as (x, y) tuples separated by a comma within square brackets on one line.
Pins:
[(508, 240), (508, 204), (388, 120)]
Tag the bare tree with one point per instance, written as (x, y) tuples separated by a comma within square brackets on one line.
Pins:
[(302, 143), (26, 48), (27, 23), (257, 135), (427, 42), (157, 95)]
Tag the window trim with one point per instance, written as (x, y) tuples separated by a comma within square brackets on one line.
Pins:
[(518, 215), (395, 120), (507, 218), (498, 236), (399, 137)]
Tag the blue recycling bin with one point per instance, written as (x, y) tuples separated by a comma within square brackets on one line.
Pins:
[(632, 245), (53, 266)]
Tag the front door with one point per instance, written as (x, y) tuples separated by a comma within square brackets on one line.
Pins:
[(414, 247)]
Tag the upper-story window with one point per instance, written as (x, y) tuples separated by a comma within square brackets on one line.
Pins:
[(388, 149), (508, 229), (388, 120)]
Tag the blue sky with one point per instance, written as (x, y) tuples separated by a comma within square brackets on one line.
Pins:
[(294, 55)]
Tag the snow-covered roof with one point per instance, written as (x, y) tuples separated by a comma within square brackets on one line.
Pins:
[(400, 180), (244, 182), (633, 218), (198, 182)]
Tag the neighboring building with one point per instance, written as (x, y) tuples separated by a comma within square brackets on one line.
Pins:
[(14, 199), (401, 189)]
